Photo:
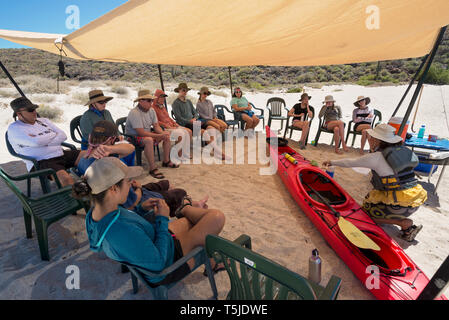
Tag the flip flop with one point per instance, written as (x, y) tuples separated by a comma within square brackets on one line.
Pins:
[(217, 268), (170, 164), (155, 174), (410, 233)]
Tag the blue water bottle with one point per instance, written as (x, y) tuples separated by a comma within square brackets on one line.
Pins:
[(421, 131)]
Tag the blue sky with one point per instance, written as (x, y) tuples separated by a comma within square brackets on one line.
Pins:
[(48, 16)]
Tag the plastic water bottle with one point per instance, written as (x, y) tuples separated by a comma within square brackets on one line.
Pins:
[(330, 171), (315, 267), (421, 131)]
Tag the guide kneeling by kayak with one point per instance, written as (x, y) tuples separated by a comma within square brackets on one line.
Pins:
[(396, 192)]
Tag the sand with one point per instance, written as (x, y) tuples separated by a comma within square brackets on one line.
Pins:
[(254, 204)]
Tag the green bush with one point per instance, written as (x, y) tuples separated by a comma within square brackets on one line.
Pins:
[(437, 75), (294, 90)]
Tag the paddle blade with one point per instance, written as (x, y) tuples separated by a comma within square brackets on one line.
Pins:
[(355, 236)]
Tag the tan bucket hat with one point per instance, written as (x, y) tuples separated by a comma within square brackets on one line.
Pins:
[(182, 85), (97, 95), (360, 98), (385, 133), (106, 172), (144, 94), (329, 98), (204, 90)]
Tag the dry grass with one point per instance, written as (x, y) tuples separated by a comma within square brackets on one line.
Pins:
[(9, 93), (51, 113), (78, 98)]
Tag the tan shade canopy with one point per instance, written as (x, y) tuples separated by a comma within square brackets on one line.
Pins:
[(253, 32)]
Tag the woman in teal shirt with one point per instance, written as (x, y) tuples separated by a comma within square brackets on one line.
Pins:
[(144, 237), (243, 108)]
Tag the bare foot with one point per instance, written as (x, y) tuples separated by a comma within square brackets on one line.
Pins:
[(361, 152), (201, 203), (338, 151), (346, 149)]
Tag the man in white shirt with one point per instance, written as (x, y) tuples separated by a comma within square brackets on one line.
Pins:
[(139, 123), (41, 139)]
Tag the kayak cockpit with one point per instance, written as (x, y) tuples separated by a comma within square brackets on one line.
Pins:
[(322, 185)]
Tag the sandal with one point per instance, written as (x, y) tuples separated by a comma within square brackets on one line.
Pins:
[(170, 164), (217, 268), (178, 214), (409, 234), (156, 174)]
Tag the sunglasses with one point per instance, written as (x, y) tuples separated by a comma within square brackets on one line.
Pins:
[(102, 102), (148, 100), (238, 91), (29, 109), (183, 90)]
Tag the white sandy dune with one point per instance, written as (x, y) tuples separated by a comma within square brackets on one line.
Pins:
[(257, 205)]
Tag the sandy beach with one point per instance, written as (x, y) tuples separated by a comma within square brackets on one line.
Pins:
[(257, 205)]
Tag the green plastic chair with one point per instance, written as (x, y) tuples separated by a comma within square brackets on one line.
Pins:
[(275, 108), (45, 209), (254, 277), (322, 128), (376, 120), (161, 292)]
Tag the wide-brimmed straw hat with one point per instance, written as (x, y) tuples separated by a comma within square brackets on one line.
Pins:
[(204, 90), (144, 94), (305, 95), (106, 172), (329, 98), (182, 85), (385, 133), (97, 95), (360, 98)]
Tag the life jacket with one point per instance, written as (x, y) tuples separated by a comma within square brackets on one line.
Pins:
[(402, 160)]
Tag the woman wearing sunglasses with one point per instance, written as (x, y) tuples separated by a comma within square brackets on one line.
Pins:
[(243, 108), (207, 112)]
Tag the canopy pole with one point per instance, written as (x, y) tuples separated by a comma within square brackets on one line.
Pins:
[(162, 83), (230, 78), (410, 84), (12, 79), (421, 79), (438, 283)]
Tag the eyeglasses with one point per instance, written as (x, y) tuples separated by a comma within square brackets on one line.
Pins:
[(102, 102), (183, 90), (205, 93), (148, 100)]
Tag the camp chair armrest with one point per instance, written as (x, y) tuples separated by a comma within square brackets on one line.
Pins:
[(331, 290), (349, 124), (174, 266), (68, 145), (244, 241), (62, 190), (262, 111), (44, 172)]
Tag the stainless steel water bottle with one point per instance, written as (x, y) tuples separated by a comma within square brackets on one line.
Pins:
[(315, 267)]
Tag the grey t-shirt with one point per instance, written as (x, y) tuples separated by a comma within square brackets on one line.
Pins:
[(206, 109), (140, 119)]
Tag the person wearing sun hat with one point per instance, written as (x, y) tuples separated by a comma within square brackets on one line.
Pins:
[(300, 112), (362, 116), (144, 237), (36, 137), (184, 134), (96, 112), (207, 111), (332, 121), (142, 123), (396, 192)]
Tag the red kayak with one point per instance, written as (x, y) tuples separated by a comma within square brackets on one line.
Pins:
[(396, 276)]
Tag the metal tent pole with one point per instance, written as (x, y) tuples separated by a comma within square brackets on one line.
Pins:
[(421, 79), (230, 78), (410, 84), (438, 283), (12, 80), (162, 83)]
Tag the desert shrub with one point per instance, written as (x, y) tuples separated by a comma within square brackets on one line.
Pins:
[(79, 98), (8, 93), (295, 90), (366, 80), (120, 90), (437, 75), (256, 85), (219, 93), (51, 113), (43, 98)]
